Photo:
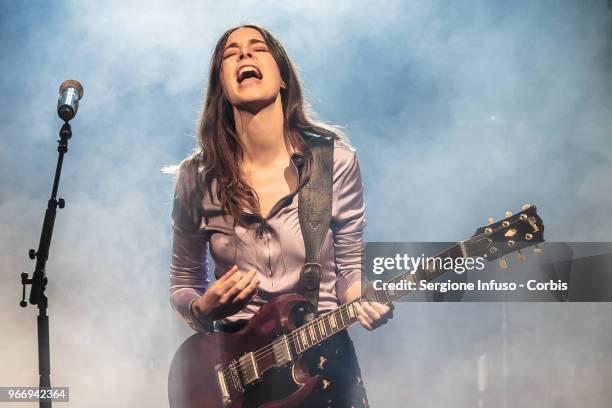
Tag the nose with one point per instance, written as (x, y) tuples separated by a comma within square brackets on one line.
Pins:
[(245, 53)]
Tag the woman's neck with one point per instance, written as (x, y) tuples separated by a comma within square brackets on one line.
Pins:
[(262, 134)]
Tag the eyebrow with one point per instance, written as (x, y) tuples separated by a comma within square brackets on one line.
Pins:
[(251, 42)]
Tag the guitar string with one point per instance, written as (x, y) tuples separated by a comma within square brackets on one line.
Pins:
[(292, 336)]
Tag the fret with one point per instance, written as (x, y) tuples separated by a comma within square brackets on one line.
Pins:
[(312, 333), (318, 332), (332, 321), (459, 249), (384, 296), (351, 311), (424, 274), (317, 326), (322, 328), (341, 325), (344, 313), (298, 345), (327, 326), (348, 314), (315, 331), (429, 270), (303, 337)]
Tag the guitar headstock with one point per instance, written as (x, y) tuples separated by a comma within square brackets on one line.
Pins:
[(511, 234)]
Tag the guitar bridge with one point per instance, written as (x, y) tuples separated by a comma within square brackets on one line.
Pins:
[(232, 372)]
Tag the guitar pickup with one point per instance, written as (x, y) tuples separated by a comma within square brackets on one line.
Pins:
[(282, 353), (248, 368)]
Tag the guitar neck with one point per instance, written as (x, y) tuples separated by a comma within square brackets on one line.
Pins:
[(325, 326), (431, 269)]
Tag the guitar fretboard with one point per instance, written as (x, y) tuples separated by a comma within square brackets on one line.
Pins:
[(325, 326)]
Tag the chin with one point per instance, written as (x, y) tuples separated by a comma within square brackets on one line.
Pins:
[(255, 102)]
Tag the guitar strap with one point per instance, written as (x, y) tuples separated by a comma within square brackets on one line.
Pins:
[(314, 210)]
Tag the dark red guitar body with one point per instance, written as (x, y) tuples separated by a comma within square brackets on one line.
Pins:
[(193, 382)]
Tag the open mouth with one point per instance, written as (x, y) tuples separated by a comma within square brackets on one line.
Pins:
[(248, 71)]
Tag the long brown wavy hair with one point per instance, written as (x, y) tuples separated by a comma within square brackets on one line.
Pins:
[(220, 149)]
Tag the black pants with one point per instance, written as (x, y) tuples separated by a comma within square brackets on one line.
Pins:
[(341, 384)]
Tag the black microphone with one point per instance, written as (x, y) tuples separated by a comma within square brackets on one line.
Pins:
[(68, 103)]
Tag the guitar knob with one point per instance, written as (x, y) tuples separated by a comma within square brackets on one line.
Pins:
[(520, 256), (508, 214), (525, 206), (537, 250), (502, 263), (490, 221)]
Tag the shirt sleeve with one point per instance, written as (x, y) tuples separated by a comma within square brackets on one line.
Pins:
[(188, 267), (348, 225)]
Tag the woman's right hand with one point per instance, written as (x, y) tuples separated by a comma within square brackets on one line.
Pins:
[(227, 296)]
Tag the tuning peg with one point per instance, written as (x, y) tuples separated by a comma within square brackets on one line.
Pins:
[(490, 220), (508, 214), (537, 250), (502, 263), (525, 206), (520, 256)]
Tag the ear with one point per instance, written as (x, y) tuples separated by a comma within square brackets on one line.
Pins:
[(283, 84)]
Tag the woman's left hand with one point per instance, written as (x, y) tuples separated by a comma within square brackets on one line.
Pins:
[(373, 314)]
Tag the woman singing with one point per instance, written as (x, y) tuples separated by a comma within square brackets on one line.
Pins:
[(237, 195)]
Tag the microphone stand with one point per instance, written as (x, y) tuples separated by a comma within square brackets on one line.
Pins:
[(39, 280)]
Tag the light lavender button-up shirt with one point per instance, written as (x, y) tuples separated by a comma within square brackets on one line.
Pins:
[(275, 249)]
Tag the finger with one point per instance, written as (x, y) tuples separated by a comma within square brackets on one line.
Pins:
[(226, 281), (372, 313), (220, 286), (382, 310), (245, 280), (364, 323), (249, 279), (228, 288), (239, 286), (376, 312), (228, 274), (247, 293), (362, 315)]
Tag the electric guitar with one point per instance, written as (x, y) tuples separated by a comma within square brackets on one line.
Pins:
[(261, 366)]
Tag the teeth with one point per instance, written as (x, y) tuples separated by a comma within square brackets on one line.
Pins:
[(247, 69)]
